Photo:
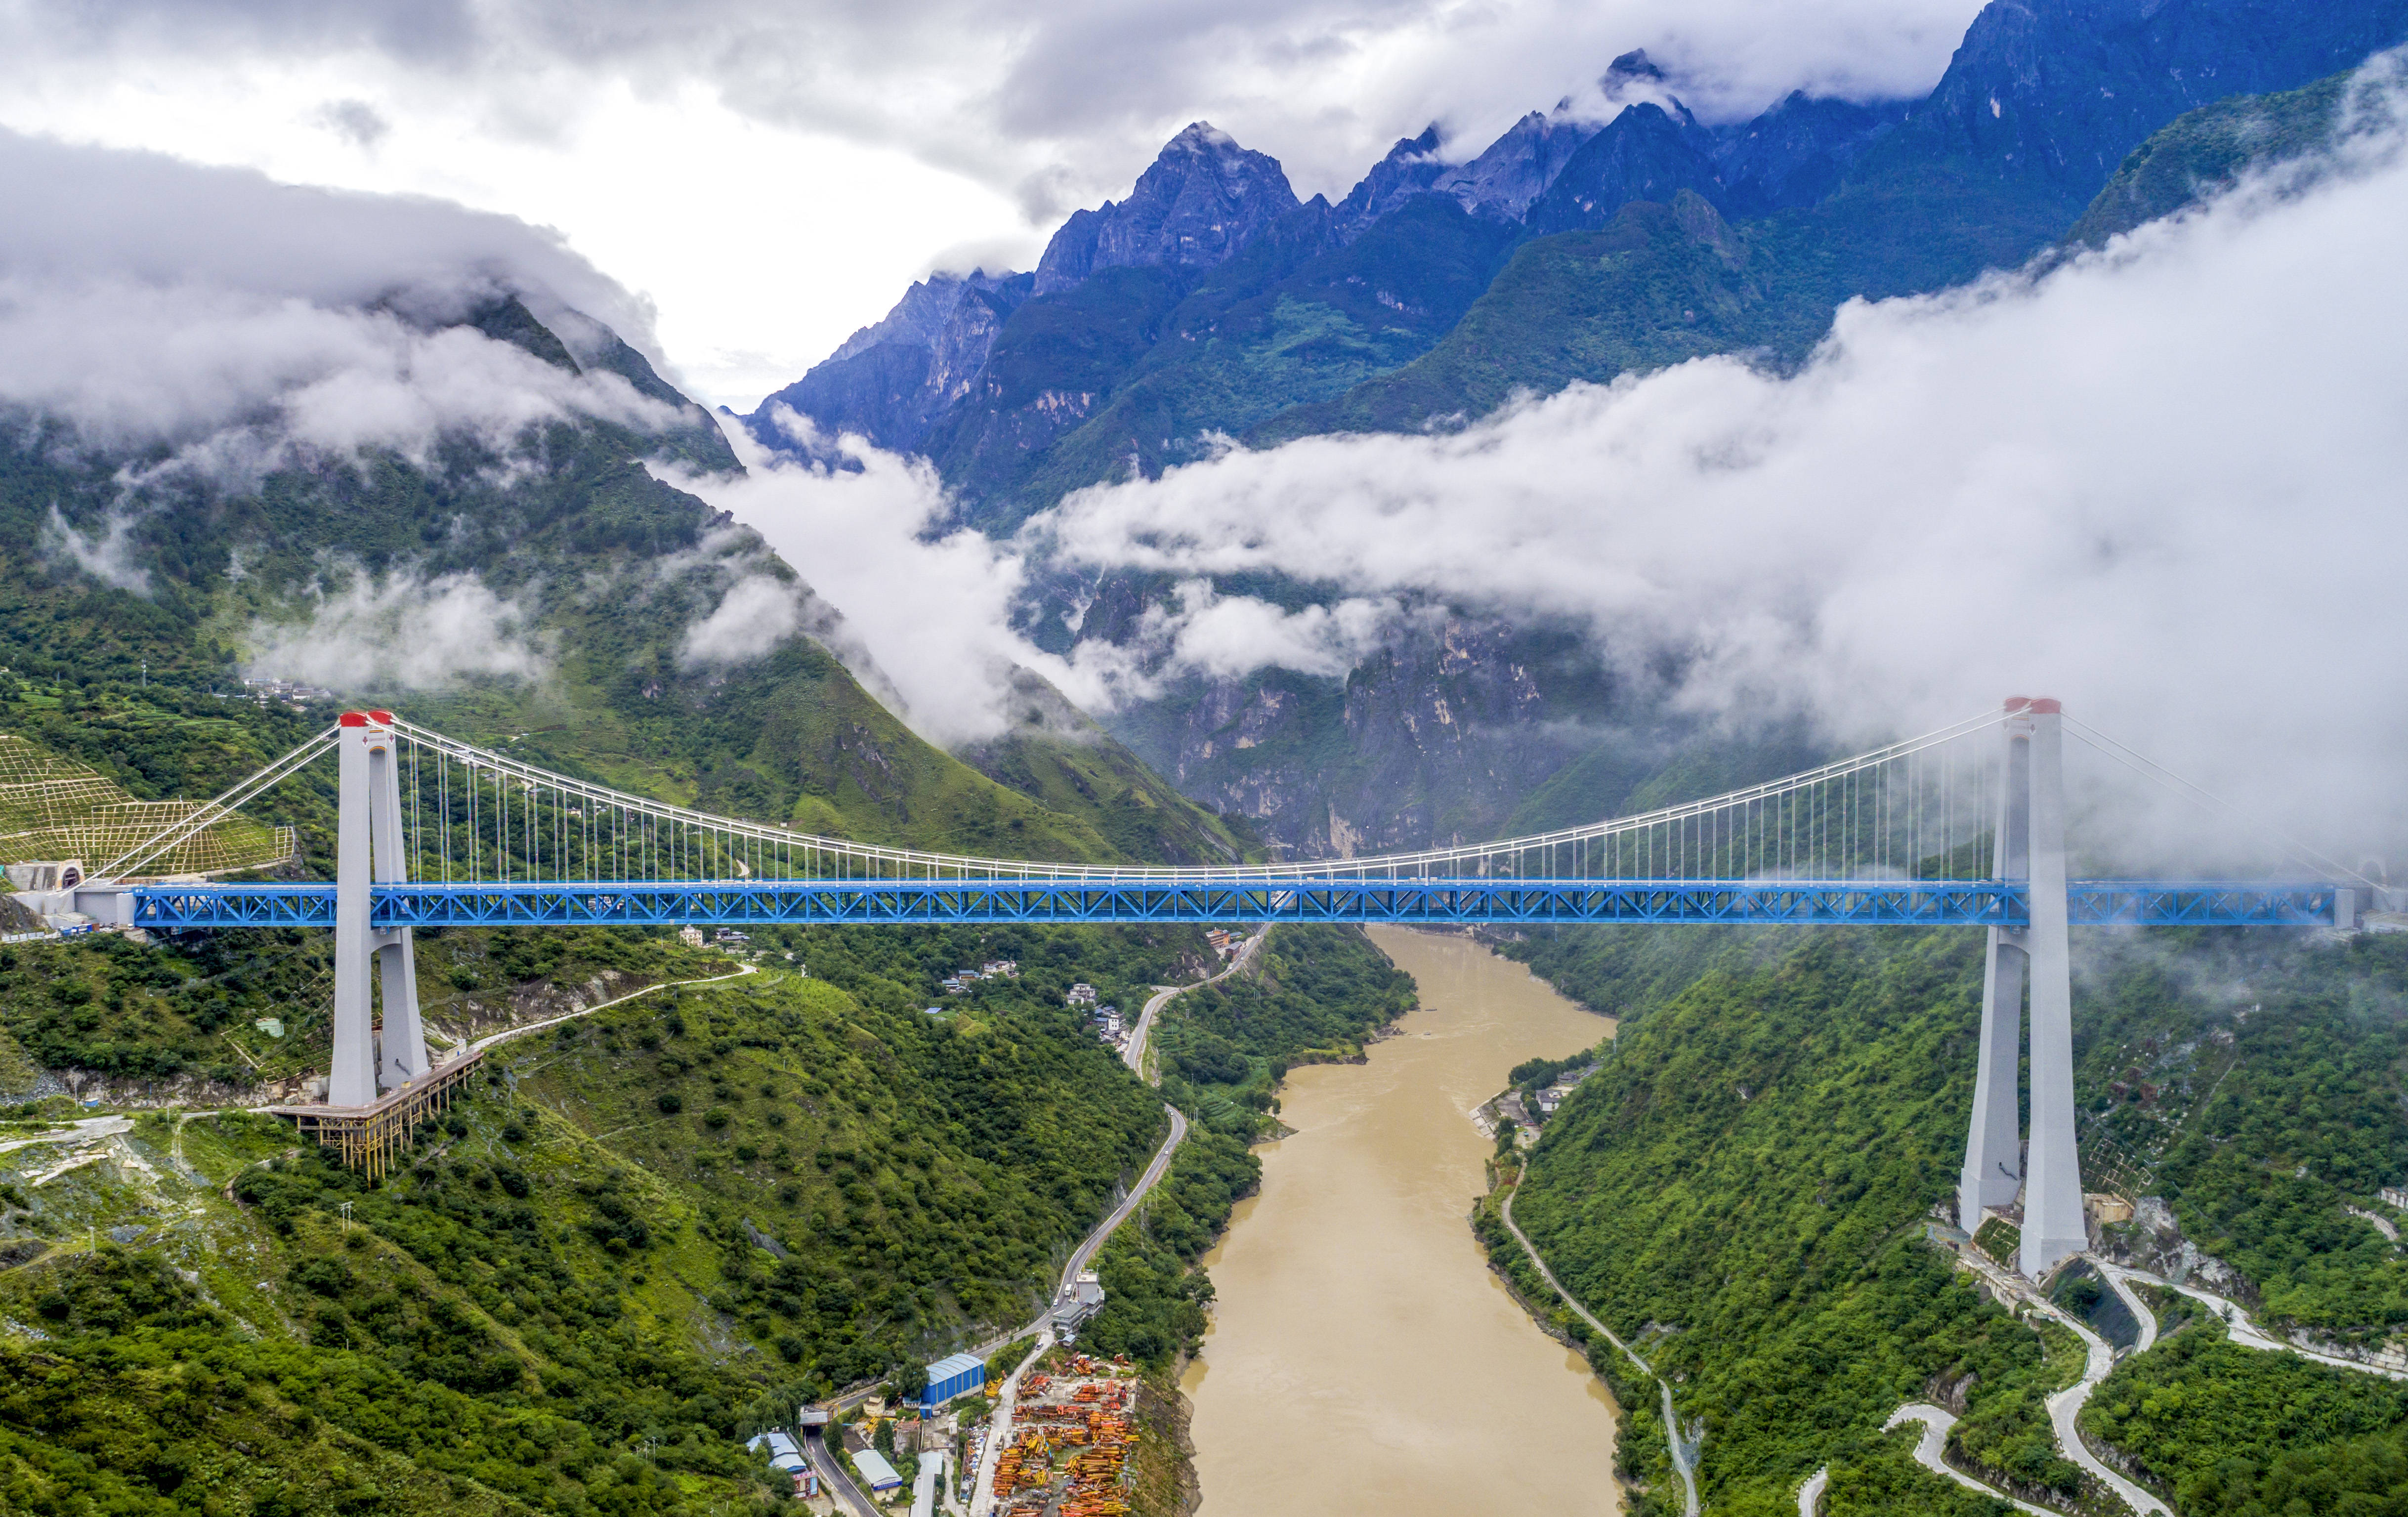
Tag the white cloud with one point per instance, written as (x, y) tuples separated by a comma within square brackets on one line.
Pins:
[(924, 616), (107, 555), (407, 633), (146, 301), (757, 613), (130, 364), (101, 216), (774, 174), (926, 622), (2161, 483), (1225, 635)]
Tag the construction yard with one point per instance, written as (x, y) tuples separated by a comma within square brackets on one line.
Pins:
[(1075, 1430)]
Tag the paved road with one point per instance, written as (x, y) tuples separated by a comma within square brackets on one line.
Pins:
[(2243, 1330), (833, 1476), (982, 1496), (1008, 1394), (89, 1130), (1934, 1444), (1134, 1055), (524, 1028), (2065, 1407), (1154, 1173), (1683, 1451)]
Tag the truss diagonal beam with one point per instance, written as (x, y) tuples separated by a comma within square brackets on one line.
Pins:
[(1496, 902)]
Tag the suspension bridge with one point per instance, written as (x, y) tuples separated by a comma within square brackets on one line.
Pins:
[(1961, 827)]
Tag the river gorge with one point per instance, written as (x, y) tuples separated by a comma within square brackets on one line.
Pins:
[(1362, 1357)]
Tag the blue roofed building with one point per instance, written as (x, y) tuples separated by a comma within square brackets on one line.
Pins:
[(950, 1378)]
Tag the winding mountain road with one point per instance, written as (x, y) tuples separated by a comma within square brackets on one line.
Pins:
[(1134, 1055), (1683, 1451), (1930, 1447), (983, 1498)]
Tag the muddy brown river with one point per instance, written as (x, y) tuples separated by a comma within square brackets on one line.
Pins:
[(1362, 1357)]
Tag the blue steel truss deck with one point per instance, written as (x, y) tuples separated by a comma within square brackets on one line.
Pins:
[(1240, 899)]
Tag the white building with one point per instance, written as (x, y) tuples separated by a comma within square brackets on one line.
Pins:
[(785, 1458)]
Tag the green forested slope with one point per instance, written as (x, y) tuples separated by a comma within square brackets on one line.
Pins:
[(599, 568), (1749, 1170), (643, 1234), (1659, 284), (2204, 151), (1140, 368), (1294, 319), (1310, 995), (1057, 756), (2258, 1086), (2232, 1432), (1743, 1187)]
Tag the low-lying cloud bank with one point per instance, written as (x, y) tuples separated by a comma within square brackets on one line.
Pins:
[(405, 633), (2162, 482), (144, 300), (926, 621)]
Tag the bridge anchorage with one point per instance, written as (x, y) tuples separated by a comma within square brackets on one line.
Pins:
[(1963, 827)]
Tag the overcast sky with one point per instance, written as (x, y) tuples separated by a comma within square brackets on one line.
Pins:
[(767, 178)]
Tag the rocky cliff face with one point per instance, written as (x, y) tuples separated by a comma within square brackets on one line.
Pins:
[(2067, 88), (1645, 153), (1203, 199), (1435, 739), (1795, 153), (1517, 169), (888, 381), (1501, 182)]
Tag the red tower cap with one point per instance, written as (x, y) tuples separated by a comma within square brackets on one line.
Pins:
[(382, 719), (2043, 705), (2017, 703), (353, 719)]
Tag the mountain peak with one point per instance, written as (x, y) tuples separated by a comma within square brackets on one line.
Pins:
[(1202, 135), (1502, 181), (1631, 67), (1202, 199)]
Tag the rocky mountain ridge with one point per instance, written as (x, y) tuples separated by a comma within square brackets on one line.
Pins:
[(1567, 250)]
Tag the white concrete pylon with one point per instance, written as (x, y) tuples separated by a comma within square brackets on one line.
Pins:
[(2054, 1227), (350, 1078), (369, 850), (404, 1043), (1994, 1167)]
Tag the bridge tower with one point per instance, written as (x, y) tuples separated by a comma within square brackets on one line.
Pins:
[(369, 850), (2028, 844)]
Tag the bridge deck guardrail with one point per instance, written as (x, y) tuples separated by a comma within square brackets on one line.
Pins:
[(1238, 899)]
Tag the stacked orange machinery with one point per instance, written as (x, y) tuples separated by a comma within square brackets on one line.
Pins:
[(1095, 1473), (1025, 1466)]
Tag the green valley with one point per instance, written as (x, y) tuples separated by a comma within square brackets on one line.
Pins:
[(643, 1233), (1745, 1189)]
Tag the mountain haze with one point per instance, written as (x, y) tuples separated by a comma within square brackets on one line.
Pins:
[(1568, 251)]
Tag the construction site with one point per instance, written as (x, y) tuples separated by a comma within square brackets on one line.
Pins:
[(1074, 1429)]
